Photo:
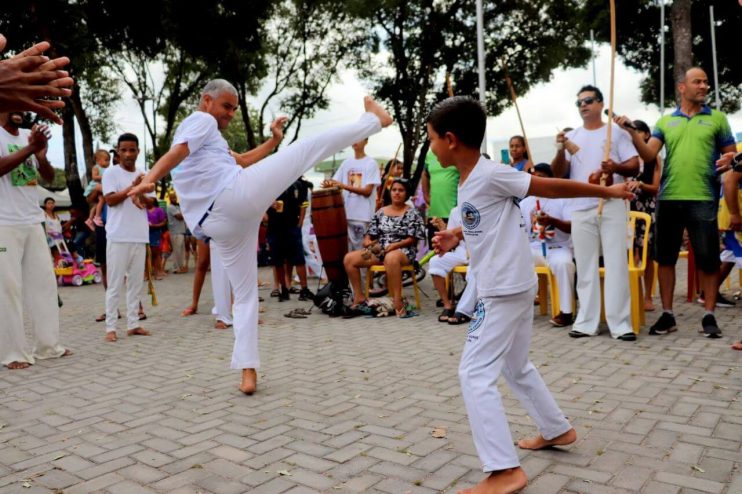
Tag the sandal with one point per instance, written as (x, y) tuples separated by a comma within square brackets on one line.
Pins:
[(458, 318), (403, 313), (445, 315), (295, 290), (276, 293), (188, 311)]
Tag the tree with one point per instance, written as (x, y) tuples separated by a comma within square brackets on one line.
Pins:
[(425, 39), (688, 26)]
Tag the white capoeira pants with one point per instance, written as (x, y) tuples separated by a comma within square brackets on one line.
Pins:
[(559, 261), (442, 265), (468, 301), (220, 288), (125, 265), (588, 234), (27, 278), (234, 221), (497, 343)]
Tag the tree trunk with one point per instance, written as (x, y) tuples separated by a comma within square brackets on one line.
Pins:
[(420, 165), (682, 39), (71, 174), (249, 131), (85, 131)]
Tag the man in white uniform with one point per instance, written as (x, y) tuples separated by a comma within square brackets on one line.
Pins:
[(555, 251), (26, 274), (226, 203), (127, 234), (590, 231), (359, 178)]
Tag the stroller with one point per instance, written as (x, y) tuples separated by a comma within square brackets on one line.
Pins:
[(71, 271)]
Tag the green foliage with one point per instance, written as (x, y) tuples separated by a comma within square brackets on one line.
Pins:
[(638, 44), (58, 183)]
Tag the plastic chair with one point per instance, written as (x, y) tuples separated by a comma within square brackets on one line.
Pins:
[(635, 272), (381, 269)]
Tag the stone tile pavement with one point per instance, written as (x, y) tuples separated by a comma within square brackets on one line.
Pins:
[(348, 406)]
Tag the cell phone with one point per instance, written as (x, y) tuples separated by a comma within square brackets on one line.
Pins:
[(505, 156)]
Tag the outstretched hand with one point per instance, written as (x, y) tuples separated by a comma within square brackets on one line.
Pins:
[(620, 191), (444, 241), (277, 127)]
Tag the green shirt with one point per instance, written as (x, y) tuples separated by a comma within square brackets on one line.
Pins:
[(693, 145), (444, 184)]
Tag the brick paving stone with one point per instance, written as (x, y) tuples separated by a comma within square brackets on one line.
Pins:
[(348, 406)]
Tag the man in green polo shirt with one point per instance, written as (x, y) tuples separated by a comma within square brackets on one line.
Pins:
[(694, 137), (440, 189)]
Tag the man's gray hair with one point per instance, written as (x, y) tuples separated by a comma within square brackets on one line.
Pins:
[(215, 87)]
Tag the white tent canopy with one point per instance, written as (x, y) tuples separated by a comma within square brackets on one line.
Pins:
[(62, 197)]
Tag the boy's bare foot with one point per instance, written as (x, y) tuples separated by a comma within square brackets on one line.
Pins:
[(140, 331), (507, 481), (221, 325), (18, 365), (372, 106), (249, 381), (189, 311), (89, 223), (539, 442), (111, 336), (649, 306), (67, 353)]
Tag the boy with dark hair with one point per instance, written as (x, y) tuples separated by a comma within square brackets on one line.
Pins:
[(499, 335)]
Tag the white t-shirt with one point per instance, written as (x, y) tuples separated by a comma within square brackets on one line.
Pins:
[(493, 228), (359, 173), (556, 208), (454, 221), (19, 201), (588, 158), (207, 170), (125, 222)]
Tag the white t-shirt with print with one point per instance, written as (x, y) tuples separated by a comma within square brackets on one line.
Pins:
[(19, 201), (207, 170), (125, 222), (588, 158), (560, 209), (493, 227), (359, 173)]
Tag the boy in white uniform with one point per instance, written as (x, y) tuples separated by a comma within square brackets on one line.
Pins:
[(26, 275), (499, 335), (226, 203), (555, 216), (127, 234)]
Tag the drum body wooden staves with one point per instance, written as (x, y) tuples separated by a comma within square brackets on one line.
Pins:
[(331, 229)]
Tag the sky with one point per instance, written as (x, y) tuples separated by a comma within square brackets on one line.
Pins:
[(545, 108)]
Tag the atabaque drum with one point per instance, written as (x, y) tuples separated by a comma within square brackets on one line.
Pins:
[(331, 229)]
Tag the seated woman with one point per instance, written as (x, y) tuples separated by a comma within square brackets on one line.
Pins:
[(391, 240)]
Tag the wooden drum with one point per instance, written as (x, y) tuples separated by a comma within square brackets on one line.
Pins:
[(331, 229)]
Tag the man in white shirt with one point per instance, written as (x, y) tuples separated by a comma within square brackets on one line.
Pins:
[(554, 250), (127, 234), (226, 203), (358, 177), (26, 274), (591, 230)]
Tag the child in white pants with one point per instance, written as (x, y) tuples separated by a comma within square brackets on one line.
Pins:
[(226, 203), (500, 332)]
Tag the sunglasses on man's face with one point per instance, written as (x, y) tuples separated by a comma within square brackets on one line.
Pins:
[(587, 101)]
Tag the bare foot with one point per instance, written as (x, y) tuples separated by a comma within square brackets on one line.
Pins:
[(260, 321), (67, 352), (373, 107), (189, 311), (507, 481), (18, 365), (249, 381), (539, 442), (221, 325), (111, 336), (737, 346), (140, 331), (649, 306)]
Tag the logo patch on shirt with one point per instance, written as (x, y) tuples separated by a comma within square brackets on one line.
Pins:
[(673, 123), (470, 216), (705, 123)]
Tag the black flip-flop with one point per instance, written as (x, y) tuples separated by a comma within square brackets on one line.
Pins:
[(459, 318), (446, 314)]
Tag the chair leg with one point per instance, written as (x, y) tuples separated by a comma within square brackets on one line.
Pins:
[(542, 295), (369, 280), (636, 302), (554, 290), (417, 291)]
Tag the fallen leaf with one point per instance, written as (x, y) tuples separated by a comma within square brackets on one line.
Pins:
[(59, 456), (698, 469), (439, 432), (284, 472), (26, 484), (184, 396)]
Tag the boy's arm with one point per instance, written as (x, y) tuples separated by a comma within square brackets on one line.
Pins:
[(562, 188)]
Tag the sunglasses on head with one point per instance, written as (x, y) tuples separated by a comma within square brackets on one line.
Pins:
[(588, 101)]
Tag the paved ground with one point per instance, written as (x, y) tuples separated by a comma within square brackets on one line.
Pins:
[(349, 406)]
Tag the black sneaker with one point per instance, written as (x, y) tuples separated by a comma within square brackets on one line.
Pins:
[(721, 301), (283, 296), (577, 334), (627, 337), (710, 329), (306, 294), (665, 324), (561, 320)]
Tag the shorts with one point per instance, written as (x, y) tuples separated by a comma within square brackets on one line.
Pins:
[(286, 247), (155, 238), (699, 218), (100, 244)]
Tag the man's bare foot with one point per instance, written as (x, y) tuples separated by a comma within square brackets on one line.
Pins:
[(539, 442), (507, 481), (249, 381), (737, 345), (111, 336), (372, 106), (18, 365), (221, 325), (140, 331)]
